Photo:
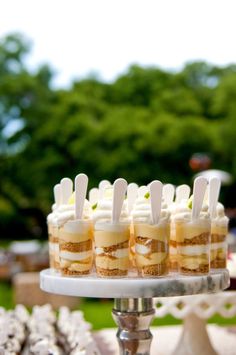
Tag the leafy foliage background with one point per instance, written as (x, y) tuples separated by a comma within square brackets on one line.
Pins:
[(145, 125)]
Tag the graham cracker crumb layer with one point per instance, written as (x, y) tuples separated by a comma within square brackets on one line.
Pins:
[(57, 265), (202, 269), (111, 272), (67, 272), (109, 256), (114, 247), (218, 263), (51, 261), (153, 244), (174, 266), (53, 239), (203, 238), (154, 270), (173, 243), (217, 238), (76, 247)]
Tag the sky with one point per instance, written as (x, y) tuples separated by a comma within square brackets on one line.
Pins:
[(80, 37)]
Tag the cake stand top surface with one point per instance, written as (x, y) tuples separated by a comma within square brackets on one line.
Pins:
[(133, 287)]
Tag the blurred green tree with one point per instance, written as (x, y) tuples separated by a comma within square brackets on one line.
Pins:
[(143, 126)]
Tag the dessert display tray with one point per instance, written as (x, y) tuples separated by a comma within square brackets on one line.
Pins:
[(131, 286), (133, 299)]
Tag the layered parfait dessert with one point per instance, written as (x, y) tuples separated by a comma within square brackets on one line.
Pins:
[(132, 192), (76, 237), (111, 236), (182, 196), (151, 239), (219, 230), (193, 240), (53, 240)]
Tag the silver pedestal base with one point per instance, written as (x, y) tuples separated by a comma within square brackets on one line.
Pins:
[(133, 317)]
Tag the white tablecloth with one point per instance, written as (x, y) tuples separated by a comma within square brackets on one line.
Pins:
[(165, 339)]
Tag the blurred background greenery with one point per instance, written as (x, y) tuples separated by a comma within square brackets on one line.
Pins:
[(146, 124)]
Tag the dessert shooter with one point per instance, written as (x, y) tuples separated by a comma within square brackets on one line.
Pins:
[(63, 211), (219, 227), (151, 222), (53, 240), (192, 226), (111, 232), (182, 196), (75, 235), (132, 192)]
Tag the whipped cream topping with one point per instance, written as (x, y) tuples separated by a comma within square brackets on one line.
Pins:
[(183, 213), (103, 212), (66, 213), (142, 211)]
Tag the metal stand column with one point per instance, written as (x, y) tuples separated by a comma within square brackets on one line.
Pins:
[(133, 317)]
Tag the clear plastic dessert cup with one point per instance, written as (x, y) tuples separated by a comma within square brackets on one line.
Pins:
[(111, 249), (174, 266), (54, 260), (193, 246), (219, 247), (132, 247), (152, 249), (51, 246), (76, 247)]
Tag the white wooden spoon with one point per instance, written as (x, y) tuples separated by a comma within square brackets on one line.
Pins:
[(101, 187), (66, 190), (156, 199), (214, 191), (81, 184), (168, 193), (132, 192), (57, 194), (93, 195), (182, 193), (119, 190), (199, 188)]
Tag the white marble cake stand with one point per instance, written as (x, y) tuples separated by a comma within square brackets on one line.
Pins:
[(133, 304)]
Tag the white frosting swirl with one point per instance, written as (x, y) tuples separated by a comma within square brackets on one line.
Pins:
[(142, 211), (183, 213), (103, 212), (66, 213)]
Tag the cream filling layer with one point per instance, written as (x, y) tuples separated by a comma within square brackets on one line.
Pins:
[(152, 259), (68, 255), (74, 237), (215, 246), (51, 248), (193, 262), (142, 249), (188, 231), (75, 266), (105, 262), (107, 239), (194, 250), (172, 250), (119, 253), (159, 232)]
